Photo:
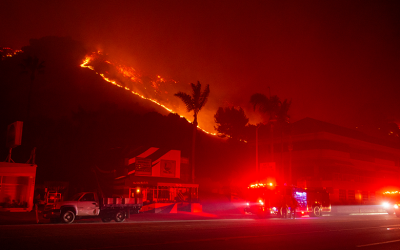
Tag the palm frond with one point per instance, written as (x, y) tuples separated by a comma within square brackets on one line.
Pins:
[(196, 92), (204, 97), (187, 99), (260, 100)]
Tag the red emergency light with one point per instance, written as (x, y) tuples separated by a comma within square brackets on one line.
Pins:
[(391, 192), (258, 185)]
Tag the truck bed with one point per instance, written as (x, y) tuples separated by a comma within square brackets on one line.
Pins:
[(121, 202)]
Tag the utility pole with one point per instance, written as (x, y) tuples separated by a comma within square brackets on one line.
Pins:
[(257, 167)]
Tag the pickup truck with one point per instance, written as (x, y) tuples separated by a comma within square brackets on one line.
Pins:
[(88, 205)]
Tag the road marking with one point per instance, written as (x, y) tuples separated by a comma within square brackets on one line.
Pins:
[(379, 243), (366, 213)]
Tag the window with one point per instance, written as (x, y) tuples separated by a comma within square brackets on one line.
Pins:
[(342, 194), (364, 195), (372, 196), (88, 197), (351, 195), (14, 191), (76, 197)]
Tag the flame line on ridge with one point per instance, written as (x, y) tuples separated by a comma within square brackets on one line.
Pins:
[(88, 59)]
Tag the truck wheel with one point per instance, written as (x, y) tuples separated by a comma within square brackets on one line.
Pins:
[(316, 211), (120, 216), (68, 217), (106, 219)]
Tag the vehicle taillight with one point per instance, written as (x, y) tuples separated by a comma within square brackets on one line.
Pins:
[(261, 202)]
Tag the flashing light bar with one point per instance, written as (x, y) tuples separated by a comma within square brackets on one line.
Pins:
[(257, 185), (391, 192)]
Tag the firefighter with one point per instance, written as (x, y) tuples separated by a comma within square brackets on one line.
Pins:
[(293, 207)]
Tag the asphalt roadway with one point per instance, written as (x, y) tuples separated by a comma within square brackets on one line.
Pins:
[(188, 231)]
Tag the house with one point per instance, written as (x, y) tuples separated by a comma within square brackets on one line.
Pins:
[(154, 176)]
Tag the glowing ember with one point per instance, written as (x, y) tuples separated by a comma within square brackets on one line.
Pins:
[(8, 52), (157, 88)]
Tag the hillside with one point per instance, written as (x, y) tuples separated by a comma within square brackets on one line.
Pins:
[(79, 121)]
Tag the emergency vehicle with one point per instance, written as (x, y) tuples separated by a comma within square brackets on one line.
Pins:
[(390, 198), (286, 201)]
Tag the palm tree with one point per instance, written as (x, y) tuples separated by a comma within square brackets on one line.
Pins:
[(277, 112), (269, 106), (32, 65), (195, 103), (284, 124)]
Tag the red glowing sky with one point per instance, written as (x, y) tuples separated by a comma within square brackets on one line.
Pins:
[(339, 61)]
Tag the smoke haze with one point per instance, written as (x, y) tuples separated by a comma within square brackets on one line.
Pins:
[(338, 61)]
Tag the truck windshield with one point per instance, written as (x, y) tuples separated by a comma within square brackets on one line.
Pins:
[(76, 197)]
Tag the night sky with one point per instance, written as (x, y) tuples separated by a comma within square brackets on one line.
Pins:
[(339, 61)]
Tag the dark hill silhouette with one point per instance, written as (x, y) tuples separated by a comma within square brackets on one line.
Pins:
[(79, 121)]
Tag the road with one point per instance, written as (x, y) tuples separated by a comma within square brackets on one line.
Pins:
[(363, 232)]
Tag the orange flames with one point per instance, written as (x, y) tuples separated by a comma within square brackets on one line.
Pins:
[(8, 52), (154, 90)]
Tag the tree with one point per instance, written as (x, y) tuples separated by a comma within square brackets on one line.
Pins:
[(231, 122), (269, 106), (195, 103), (277, 112), (32, 66), (282, 115)]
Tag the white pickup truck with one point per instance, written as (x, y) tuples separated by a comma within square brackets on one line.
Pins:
[(87, 205)]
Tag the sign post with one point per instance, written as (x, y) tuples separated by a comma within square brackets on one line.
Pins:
[(14, 136)]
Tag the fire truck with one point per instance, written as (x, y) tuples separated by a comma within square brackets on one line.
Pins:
[(286, 201), (390, 198)]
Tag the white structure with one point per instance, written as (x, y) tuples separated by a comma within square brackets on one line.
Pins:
[(17, 185)]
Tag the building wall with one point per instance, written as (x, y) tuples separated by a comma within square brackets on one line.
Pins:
[(172, 155), (353, 171), (17, 185)]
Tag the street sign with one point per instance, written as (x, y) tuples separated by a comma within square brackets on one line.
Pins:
[(14, 134), (142, 166)]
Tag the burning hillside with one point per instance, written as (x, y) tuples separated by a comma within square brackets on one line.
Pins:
[(8, 52), (155, 89)]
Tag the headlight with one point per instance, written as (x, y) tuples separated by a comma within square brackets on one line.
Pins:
[(396, 206), (261, 202), (386, 205)]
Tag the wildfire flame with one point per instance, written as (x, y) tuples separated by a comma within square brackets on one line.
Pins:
[(136, 81)]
